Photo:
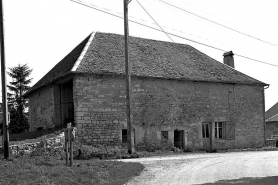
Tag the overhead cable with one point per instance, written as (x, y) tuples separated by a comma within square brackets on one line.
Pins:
[(196, 15), (103, 11), (155, 21)]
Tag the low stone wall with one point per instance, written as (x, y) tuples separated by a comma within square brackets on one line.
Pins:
[(26, 148)]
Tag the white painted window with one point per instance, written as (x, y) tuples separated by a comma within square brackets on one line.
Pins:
[(220, 130)]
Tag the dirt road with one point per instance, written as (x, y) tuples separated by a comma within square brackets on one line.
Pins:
[(209, 168)]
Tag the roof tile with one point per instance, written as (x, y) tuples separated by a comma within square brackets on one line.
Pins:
[(148, 58)]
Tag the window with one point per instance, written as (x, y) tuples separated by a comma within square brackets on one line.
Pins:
[(39, 128), (220, 130), (205, 130), (124, 136), (164, 134)]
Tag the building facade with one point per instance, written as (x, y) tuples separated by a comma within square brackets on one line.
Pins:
[(179, 95)]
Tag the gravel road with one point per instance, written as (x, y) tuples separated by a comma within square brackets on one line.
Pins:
[(207, 168)]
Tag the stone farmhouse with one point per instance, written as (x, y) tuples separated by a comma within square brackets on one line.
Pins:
[(179, 95)]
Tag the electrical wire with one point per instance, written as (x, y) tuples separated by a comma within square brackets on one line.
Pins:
[(196, 15), (94, 7), (155, 21)]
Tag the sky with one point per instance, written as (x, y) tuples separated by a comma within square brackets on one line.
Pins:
[(41, 32)]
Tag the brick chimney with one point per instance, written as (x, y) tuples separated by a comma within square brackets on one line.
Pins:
[(229, 59)]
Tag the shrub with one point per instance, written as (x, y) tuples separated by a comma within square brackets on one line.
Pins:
[(155, 146), (105, 152), (47, 153)]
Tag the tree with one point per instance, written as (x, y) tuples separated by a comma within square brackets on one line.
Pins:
[(17, 104)]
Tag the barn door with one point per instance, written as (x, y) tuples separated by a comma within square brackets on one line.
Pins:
[(67, 103)]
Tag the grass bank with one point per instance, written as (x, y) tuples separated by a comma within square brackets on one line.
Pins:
[(37, 170)]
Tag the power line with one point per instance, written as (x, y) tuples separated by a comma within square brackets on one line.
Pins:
[(219, 49), (155, 21), (256, 60), (149, 26), (196, 15)]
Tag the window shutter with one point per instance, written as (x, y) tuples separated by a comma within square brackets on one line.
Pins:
[(230, 130)]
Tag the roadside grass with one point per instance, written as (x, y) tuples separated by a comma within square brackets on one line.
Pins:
[(37, 170)]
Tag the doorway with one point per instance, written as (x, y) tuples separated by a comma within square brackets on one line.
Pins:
[(67, 112), (206, 132), (178, 138)]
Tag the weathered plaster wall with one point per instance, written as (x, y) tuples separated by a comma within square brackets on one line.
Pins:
[(166, 105), (41, 108)]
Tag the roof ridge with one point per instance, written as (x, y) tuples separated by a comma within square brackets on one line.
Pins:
[(62, 68), (84, 51)]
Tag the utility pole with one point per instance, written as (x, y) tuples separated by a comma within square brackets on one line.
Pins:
[(130, 134), (4, 87)]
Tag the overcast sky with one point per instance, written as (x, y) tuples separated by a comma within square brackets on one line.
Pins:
[(41, 32)]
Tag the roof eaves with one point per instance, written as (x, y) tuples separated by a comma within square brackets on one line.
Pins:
[(28, 93), (269, 119), (75, 66), (168, 78)]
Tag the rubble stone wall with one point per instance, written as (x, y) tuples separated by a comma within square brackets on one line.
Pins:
[(26, 148), (41, 108), (166, 105)]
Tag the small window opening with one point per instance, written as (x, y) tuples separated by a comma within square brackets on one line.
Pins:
[(124, 136), (39, 128), (164, 134), (205, 130)]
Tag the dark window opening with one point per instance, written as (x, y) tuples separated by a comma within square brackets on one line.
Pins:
[(164, 134), (39, 128), (205, 130), (124, 136)]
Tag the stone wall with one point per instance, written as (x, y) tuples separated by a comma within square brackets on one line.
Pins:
[(27, 148), (165, 105), (41, 109)]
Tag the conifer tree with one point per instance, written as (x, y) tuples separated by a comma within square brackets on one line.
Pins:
[(16, 102)]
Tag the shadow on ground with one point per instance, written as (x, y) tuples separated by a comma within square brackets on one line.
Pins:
[(247, 181)]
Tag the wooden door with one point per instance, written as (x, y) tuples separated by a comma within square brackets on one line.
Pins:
[(178, 138), (206, 133)]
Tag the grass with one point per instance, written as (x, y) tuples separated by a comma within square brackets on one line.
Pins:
[(39, 171)]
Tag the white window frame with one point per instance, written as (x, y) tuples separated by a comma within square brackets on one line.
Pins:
[(217, 130)]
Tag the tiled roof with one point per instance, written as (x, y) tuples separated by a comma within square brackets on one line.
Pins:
[(61, 69), (148, 58), (272, 111), (273, 118)]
